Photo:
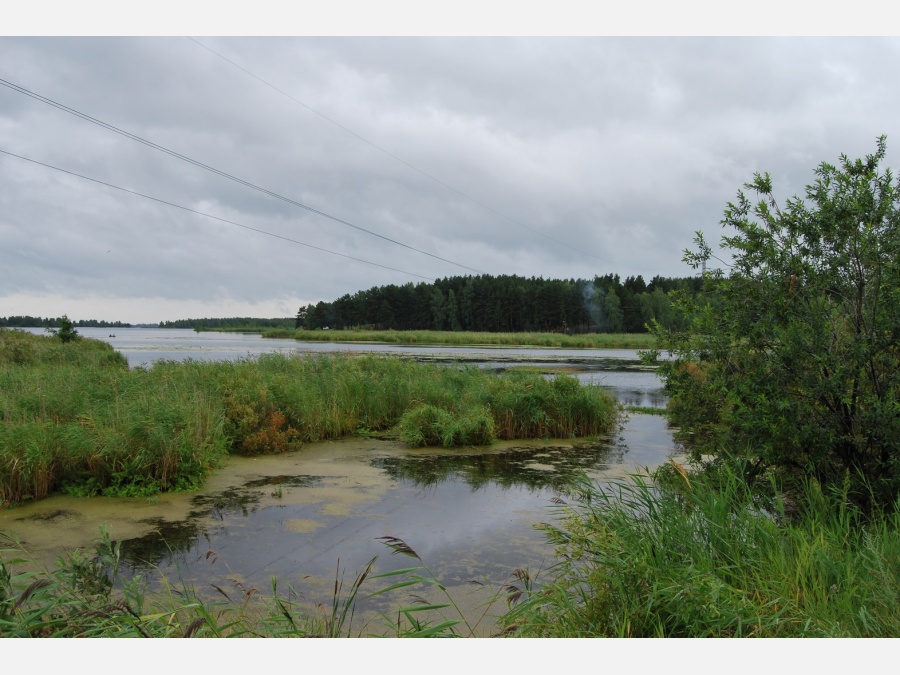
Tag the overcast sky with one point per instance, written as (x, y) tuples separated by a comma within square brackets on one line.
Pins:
[(557, 157)]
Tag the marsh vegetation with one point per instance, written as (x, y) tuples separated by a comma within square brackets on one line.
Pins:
[(705, 554), (472, 339), (77, 419)]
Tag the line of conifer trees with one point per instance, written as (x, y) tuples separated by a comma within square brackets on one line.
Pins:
[(27, 321), (487, 303), (230, 322)]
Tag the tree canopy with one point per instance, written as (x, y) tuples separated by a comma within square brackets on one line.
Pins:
[(506, 303), (66, 331), (791, 359)]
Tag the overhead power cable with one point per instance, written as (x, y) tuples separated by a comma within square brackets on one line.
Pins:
[(399, 159), (155, 146), (209, 215)]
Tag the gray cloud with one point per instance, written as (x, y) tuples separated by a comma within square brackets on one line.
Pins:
[(619, 147)]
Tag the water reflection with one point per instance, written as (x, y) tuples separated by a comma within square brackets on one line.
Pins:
[(468, 512), (168, 540), (171, 540), (549, 467), (640, 387)]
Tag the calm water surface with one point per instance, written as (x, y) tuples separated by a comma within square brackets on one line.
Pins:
[(303, 516)]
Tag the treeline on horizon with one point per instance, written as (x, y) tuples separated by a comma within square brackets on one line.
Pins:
[(487, 303), (483, 303), (231, 322), (54, 322)]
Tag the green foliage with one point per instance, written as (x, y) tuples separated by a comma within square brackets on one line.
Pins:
[(66, 331), (644, 410), (526, 405), (28, 321), (792, 358), (505, 303), (704, 555), (20, 348), (233, 324), (431, 425), (75, 418)]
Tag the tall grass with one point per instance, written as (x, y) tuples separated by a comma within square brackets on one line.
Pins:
[(702, 555), (85, 423), (76, 418), (314, 398), (18, 347), (471, 338)]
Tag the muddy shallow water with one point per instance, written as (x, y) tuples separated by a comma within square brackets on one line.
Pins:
[(468, 513), (311, 515)]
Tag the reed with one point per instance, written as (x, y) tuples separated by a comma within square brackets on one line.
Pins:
[(706, 555), (644, 410), (469, 338), (94, 429), (77, 419), (431, 425)]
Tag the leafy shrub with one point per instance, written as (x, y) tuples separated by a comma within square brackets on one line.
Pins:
[(792, 358)]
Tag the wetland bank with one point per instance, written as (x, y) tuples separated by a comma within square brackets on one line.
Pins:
[(340, 481)]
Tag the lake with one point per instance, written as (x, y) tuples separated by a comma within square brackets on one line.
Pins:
[(305, 516)]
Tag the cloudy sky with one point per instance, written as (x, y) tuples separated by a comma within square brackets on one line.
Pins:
[(558, 157)]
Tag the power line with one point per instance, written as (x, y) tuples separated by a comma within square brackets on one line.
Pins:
[(208, 215), (393, 156), (167, 151)]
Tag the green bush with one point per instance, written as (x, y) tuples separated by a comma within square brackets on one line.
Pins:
[(792, 358), (66, 331)]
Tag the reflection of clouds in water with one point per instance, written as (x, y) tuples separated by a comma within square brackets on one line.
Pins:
[(631, 388), (456, 528), (464, 533), (451, 515)]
